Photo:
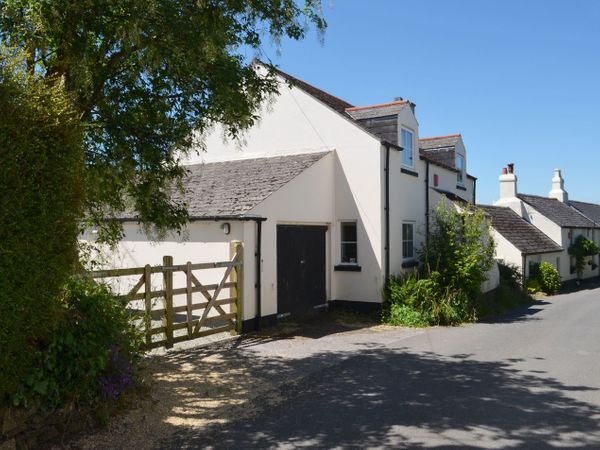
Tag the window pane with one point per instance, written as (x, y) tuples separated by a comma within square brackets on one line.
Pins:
[(407, 143), (348, 242), (348, 231), (349, 252), (407, 240)]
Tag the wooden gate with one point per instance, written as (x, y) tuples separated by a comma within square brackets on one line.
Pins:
[(165, 321)]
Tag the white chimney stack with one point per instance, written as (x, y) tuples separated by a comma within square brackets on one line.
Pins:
[(558, 188), (508, 184), (508, 190)]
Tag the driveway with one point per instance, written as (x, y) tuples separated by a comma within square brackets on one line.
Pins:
[(530, 379)]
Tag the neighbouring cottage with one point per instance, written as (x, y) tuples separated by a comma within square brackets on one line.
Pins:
[(327, 198), (531, 228)]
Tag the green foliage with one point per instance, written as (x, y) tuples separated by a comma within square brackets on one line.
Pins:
[(459, 253), (413, 301), (508, 295), (460, 247), (92, 355), (533, 285), (581, 248), (41, 185), (549, 278), (148, 77)]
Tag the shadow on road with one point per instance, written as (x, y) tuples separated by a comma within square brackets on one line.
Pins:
[(385, 397)]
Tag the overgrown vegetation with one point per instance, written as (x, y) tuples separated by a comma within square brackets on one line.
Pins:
[(92, 355), (582, 248), (454, 264), (41, 184), (508, 295), (543, 277)]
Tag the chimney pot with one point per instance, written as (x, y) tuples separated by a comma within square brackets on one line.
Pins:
[(504, 171), (511, 168)]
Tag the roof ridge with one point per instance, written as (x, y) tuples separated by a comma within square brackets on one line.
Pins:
[(303, 84), (253, 158), (378, 105), (440, 137)]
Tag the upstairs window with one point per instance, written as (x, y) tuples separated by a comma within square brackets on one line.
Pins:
[(408, 244), (460, 166), (408, 148), (349, 243)]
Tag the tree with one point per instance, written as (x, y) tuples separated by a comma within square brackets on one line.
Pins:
[(145, 76)]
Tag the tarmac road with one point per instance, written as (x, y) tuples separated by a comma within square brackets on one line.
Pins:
[(530, 379)]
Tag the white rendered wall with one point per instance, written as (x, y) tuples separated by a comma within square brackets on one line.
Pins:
[(407, 195), (296, 122), (306, 200)]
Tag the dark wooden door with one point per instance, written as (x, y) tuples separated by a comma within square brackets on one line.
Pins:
[(300, 268)]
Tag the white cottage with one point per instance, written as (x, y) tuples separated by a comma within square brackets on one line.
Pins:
[(540, 228), (328, 199)]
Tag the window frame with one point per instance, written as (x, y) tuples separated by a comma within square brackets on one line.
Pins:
[(411, 240), (404, 148), (342, 242), (460, 174)]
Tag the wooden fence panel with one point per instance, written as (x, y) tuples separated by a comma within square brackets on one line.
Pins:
[(214, 314)]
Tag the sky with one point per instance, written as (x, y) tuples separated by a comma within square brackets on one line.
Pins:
[(520, 80)]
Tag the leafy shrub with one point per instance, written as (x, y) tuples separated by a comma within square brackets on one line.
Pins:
[(581, 248), (508, 295), (533, 285), (413, 301), (41, 185), (92, 355), (549, 278), (460, 248)]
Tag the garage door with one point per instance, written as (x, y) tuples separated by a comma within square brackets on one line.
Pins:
[(300, 268)]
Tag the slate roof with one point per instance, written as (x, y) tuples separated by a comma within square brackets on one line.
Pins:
[(558, 212), (520, 233), (232, 188), (589, 210), (439, 142)]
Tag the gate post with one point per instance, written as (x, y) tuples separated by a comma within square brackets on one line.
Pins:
[(236, 250), (168, 288)]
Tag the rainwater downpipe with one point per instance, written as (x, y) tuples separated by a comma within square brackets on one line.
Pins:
[(258, 255), (426, 204), (523, 277), (387, 212)]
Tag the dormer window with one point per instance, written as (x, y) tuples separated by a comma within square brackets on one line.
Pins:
[(408, 148), (460, 167)]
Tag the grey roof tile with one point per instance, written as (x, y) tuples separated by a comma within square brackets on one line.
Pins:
[(589, 210), (523, 235), (231, 188), (438, 142), (440, 157), (558, 212)]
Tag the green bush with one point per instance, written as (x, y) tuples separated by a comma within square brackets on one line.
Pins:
[(581, 248), (549, 278), (41, 186), (92, 355), (413, 301), (460, 248), (508, 295), (533, 285)]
